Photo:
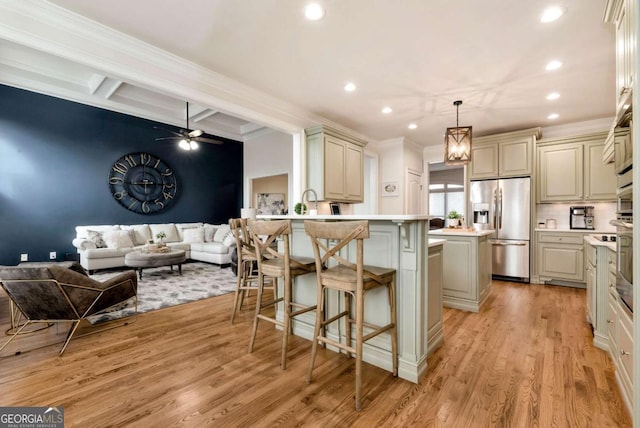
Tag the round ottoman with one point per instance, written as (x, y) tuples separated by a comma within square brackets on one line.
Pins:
[(140, 260)]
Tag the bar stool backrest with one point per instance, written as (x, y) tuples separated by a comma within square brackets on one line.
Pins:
[(264, 234), (244, 243), (344, 232)]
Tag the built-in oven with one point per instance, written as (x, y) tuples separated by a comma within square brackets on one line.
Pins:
[(624, 246), (624, 193)]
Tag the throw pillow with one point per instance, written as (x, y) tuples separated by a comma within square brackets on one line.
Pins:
[(96, 237), (140, 233), (118, 239), (209, 233), (193, 234), (169, 229), (229, 240), (221, 233)]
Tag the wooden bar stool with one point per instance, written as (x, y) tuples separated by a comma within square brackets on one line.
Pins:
[(273, 264), (247, 277), (354, 279)]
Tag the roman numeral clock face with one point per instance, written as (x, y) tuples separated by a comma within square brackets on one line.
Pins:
[(142, 183)]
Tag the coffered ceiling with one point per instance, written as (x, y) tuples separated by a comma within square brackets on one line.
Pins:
[(415, 56)]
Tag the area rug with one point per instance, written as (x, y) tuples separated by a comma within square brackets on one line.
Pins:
[(160, 288)]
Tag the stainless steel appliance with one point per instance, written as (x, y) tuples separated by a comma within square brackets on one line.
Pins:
[(624, 246), (581, 217), (504, 206)]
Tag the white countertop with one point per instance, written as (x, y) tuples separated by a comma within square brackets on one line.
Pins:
[(436, 242), (388, 217), (598, 243), (457, 232), (590, 232)]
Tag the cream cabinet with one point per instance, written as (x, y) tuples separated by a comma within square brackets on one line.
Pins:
[(434, 313), (621, 13), (600, 262), (621, 349), (467, 270), (571, 170), (623, 151), (503, 155), (560, 256), (335, 164)]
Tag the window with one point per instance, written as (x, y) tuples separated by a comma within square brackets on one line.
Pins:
[(446, 190)]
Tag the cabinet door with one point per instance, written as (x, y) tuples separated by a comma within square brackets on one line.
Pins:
[(515, 158), (623, 148), (484, 266), (459, 275), (600, 179), (334, 164), (484, 161), (560, 173), (591, 294), (354, 163), (561, 261), (622, 57), (434, 312), (612, 328)]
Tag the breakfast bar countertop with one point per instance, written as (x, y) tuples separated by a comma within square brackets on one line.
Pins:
[(460, 232), (371, 217)]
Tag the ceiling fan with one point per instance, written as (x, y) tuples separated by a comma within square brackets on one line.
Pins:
[(188, 140)]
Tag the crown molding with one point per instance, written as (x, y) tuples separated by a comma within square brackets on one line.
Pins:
[(49, 28)]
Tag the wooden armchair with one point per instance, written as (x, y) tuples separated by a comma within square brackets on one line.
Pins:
[(55, 294)]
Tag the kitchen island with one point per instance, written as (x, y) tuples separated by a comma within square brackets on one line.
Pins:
[(467, 267), (396, 241)]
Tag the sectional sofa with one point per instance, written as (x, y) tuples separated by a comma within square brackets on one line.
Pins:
[(104, 246)]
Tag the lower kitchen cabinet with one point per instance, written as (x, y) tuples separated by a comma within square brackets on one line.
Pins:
[(599, 287), (560, 256), (434, 318), (620, 331), (466, 270)]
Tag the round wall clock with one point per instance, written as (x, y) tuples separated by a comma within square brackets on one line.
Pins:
[(142, 183)]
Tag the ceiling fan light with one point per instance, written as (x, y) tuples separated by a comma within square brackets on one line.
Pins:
[(184, 145), (193, 145)]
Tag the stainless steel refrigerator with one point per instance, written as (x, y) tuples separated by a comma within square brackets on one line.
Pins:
[(504, 205)]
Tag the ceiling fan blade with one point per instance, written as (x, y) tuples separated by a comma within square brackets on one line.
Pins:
[(196, 133), (208, 140), (168, 138)]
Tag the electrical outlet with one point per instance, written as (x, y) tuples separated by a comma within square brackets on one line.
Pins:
[(52, 255), (24, 257)]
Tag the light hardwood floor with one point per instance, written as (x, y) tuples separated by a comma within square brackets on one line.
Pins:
[(527, 360)]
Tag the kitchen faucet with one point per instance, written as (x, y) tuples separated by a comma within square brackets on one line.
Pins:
[(315, 199)]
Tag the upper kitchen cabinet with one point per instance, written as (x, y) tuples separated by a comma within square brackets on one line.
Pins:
[(571, 170), (335, 164), (621, 14), (503, 155)]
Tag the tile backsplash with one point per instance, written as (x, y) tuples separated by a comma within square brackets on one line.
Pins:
[(603, 212)]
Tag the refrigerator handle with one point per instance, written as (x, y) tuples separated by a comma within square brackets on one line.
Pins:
[(500, 218), (495, 208)]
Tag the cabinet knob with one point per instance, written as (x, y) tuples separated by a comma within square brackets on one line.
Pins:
[(609, 322), (623, 352), (610, 285)]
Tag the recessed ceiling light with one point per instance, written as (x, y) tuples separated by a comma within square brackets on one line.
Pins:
[(553, 65), (387, 110), (551, 13), (412, 126), (553, 96), (350, 87), (314, 11), (553, 116)]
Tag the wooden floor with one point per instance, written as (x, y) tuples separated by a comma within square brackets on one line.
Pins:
[(525, 361)]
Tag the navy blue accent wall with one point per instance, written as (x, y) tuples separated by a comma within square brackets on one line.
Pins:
[(55, 157)]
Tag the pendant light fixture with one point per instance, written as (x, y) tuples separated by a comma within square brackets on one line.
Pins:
[(457, 143)]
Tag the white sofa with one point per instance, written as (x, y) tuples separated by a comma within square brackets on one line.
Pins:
[(104, 246)]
